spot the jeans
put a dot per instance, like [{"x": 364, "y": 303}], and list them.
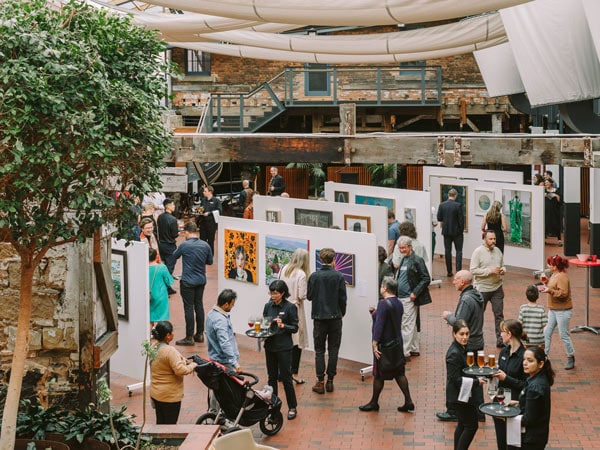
[
  {"x": 192, "y": 306},
  {"x": 166, "y": 251},
  {"x": 329, "y": 331},
  {"x": 279, "y": 367},
  {"x": 496, "y": 298},
  {"x": 167, "y": 413},
  {"x": 560, "y": 318},
  {"x": 467, "y": 425},
  {"x": 458, "y": 246}
]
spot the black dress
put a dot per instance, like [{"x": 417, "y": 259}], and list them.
[
  {"x": 553, "y": 213},
  {"x": 496, "y": 227}
]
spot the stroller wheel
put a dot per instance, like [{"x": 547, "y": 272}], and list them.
[
  {"x": 207, "y": 419},
  {"x": 271, "y": 424}
]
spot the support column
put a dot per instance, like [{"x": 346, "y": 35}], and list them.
[
  {"x": 595, "y": 223},
  {"x": 571, "y": 191}
]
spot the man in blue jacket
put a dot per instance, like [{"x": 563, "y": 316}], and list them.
[{"x": 327, "y": 292}]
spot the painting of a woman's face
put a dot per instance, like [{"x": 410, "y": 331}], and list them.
[{"x": 240, "y": 260}]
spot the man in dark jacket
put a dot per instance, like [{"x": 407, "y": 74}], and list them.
[
  {"x": 327, "y": 292},
  {"x": 413, "y": 290},
  {"x": 470, "y": 309},
  {"x": 451, "y": 218},
  {"x": 277, "y": 183},
  {"x": 168, "y": 230}
]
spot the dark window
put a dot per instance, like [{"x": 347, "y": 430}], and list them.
[{"x": 197, "y": 63}]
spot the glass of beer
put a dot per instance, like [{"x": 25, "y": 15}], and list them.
[
  {"x": 492, "y": 361},
  {"x": 480, "y": 360},
  {"x": 470, "y": 360},
  {"x": 257, "y": 326},
  {"x": 544, "y": 278}
]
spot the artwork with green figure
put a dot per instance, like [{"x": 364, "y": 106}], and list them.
[{"x": 516, "y": 220}]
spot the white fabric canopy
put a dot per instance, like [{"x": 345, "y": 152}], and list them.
[
  {"x": 339, "y": 12},
  {"x": 324, "y": 58},
  {"x": 465, "y": 32},
  {"x": 499, "y": 70},
  {"x": 592, "y": 12},
  {"x": 553, "y": 50}
]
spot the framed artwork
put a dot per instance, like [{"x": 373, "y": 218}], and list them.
[
  {"x": 341, "y": 196},
  {"x": 241, "y": 256},
  {"x": 516, "y": 207},
  {"x": 375, "y": 201},
  {"x": 273, "y": 216},
  {"x": 313, "y": 218},
  {"x": 343, "y": 263},
  {"x": 410, "y": 215},
  {"x": 483, "y": 201},
  {"x": 357, "y": 223},
  {"x": 460, "y": 198},
  {"x": 118, "y": 272},
  {"x": 278, "y": 252}
]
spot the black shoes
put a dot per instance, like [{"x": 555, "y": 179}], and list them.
[
  {"x": 369, "y": 407},
  {"x": 449, "y": 274},
  {"x": 171, "y": 291},
  {"x": 446, "y": 417},
  {"x": 407, "y": 407},
  {"x": 329, "y": 385},
  {"x": 292, "y": 413},
  {"x": 199, "y": 337},
  {"x": 189, "y": 340}
]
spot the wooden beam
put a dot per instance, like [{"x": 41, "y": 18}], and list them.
[
  {"x": 104, "y": 348},
  {"x": 389, "y": 148}
]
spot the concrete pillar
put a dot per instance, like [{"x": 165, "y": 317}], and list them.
[
  {"x": 595, "y": 223},
  {"x": 571, "y": 198},
  {"x": 497, "y": 123}
]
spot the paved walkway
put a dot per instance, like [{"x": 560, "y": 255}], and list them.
[{"x": 332, "y": 421}]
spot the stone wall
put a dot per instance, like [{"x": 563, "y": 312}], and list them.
[{"x": 54, "y": 343}]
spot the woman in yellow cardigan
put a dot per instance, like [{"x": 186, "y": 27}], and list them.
[{"x": 167, "y": 371}]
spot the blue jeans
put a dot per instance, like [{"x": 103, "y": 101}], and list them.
[
  {"x": 192, "y": 306},
  {"x": 560, "y": 318},
  {"x": 327, "y": 331}
]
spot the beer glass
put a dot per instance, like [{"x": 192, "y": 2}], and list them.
[
  {"x": 492, "y": 361},
  {"x": 480, "y": 360},
  {"x": 470, "y": 360}
]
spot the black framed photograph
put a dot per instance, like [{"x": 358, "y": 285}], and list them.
[
  {"x": 118, "y": 271},
  {"x": 341, "y": 196},
  {"x": 313, "y": 218}
]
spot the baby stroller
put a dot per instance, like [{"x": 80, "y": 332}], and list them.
[{"x": 239, "y": 403}]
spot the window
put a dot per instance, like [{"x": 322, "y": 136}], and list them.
[{"x": 197, "y": 63}]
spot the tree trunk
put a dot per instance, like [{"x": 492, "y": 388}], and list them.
[{"x": 11, "y": 407}]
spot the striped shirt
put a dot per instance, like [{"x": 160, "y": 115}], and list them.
[{"x": 534, "y": 319}]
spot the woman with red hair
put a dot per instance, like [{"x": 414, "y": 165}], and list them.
[{"x": 560, "y": 306}]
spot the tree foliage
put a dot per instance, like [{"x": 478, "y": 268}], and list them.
[{"x": 80, "y": 119}]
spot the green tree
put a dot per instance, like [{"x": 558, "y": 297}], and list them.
[{"x": 80, "y": 119}]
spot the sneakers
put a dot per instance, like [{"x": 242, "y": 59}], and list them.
[
  {"x": 570, "y": 362},
  {"x": 319, "y": 387},
  {"x": 329, "y": 385},
  {"x": 189, "y": 340},
  {"x": 292, "y": 413},
  {"x": 199, "y": 337}
]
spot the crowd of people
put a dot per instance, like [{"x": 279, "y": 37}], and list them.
[{"x": 524, "y": 369}]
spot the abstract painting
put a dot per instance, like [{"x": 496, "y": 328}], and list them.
[
  {"x": 343, "y": 263},
  {"x": 375, "y": 201}
]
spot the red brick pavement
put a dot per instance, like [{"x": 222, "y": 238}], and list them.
[{"x": 332, "y": 421}]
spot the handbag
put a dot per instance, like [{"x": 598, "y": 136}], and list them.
[{"x": 392, "y": 352}]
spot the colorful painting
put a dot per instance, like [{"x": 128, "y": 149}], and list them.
[
  {"x": 241, "y": 256},
  {"x": 278, "y": 252},
  {"x": 313, "y": 218},
  {"x": 341, "y": 196},
  {"x": 460, "y": 198},
  {"x": 375, "y": 201},
  {"x": 343, "y": 263},
  {"x": 483, "y": 201},
  {"x": 273, "y": 216},
  {"x": 357, "y": 223},
  {"x": 118, "y": 272},
  {"x": 516, "y": 207}
]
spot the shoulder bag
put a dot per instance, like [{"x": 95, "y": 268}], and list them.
[{"x": 392, "y": 352}]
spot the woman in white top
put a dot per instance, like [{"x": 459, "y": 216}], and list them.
[{"x": 295, "y": 274}]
